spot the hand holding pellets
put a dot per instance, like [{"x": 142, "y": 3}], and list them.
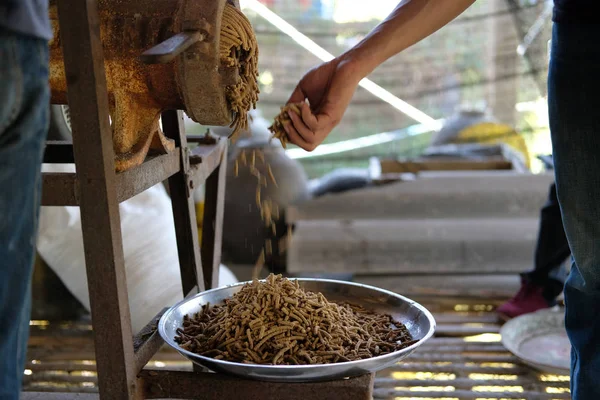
[{"x": 277, "y": 128}]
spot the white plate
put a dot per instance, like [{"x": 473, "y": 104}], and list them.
[{"x": 539, "y": 340}]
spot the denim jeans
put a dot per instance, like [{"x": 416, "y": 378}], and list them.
[
  {"x": 574, "y": 107},
  {"x": 24, "y": 107}
]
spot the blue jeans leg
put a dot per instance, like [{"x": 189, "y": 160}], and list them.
[
  {"x": 574, "y": 106},
  {"x": 24, "y": 100}
]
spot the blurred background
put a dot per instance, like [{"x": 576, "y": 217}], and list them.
[
  {"x": 456, "y": 122},
  {"x": 492, "y": 59}
]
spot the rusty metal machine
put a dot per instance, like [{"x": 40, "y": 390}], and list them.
[{"x": 166, "y": 54}]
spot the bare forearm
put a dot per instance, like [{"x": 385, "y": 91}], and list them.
[{"x": 410, "y": 22}]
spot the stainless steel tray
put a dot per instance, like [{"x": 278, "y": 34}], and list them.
[{"x": 417, "y": 319}]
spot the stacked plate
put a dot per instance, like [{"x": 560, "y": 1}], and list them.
[{"x": 539, "y": 340}]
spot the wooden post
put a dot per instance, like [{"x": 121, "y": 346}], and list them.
[
  {"x": 184, "y": 210},
  {"x": 100, "y": 219}
]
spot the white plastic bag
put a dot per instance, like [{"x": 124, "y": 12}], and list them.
[{"x": 149, "y": 245}]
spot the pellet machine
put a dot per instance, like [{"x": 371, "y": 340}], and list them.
[{"x": 195, "y": 55}]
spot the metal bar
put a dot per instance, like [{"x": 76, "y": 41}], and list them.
[
  {"x": 208, "y": 386},
  {"x": 153, "y": 171},
  {"x": 212, "y": 226},
  {"x": 184, "y": 210},
  {"x": 94, "y": 157},
  {"x": 204, "y": 159},
  {"x": 195, "y": 138},
  {"x": 58, "y": 152},
  {"x": 167, "y": 50},
  {"x": 147, "y": 342},
  {"x": 59, "y": 189}
]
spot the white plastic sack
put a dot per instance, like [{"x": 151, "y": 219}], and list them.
[{"x": 149, "y": 245}]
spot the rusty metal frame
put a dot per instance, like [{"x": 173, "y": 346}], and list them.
[
  {"x": 212, "y": 224},
  {"x": 61, "y": 187},
  {"x": 97, "y": 189},
  {"x": 184, "y": 210}
]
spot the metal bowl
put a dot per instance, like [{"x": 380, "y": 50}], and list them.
[{"x": 417, "y": 319}]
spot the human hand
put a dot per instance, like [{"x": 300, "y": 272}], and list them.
[{"x": 329, "y": 88}]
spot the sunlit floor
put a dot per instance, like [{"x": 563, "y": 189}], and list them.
[{"x": 465, "y": 360}]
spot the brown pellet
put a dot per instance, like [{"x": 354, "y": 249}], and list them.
[{"x": 254, "y": 326}]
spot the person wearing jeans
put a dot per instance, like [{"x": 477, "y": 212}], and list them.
[
  {"x": 24, "y": 107},
  {"x": 541, "y": 286},
  {"x": 573, "y": 100},
  {"x": 573, "y": 103}
]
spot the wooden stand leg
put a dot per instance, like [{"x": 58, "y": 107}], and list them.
[
  {"x": 100, "y": 220},
  {"x": 190, "y": 264},
  {"x": 212, "y": 226}
]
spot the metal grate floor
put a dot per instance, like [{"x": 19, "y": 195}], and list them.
[{"x": 465, "y": 360}]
